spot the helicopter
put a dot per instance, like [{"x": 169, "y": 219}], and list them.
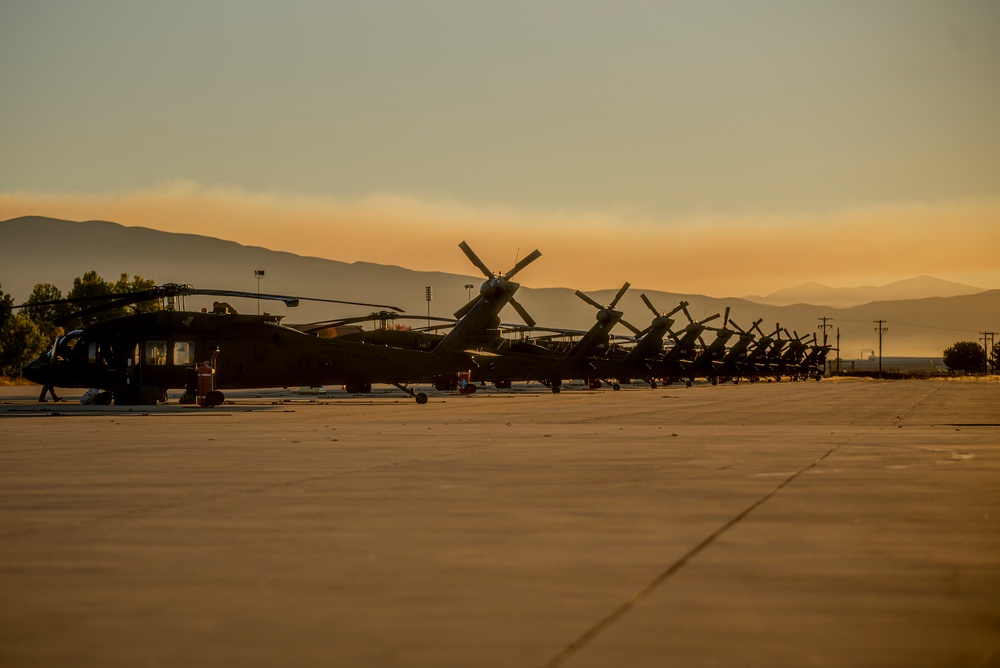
[
  {"x": 539, "y": 359},
  {"x": 506, "y": 360},
  {"x": 673, "y": 363},
  {"x": 137, "y": 358},
  {"x": 637, "y": 361}
]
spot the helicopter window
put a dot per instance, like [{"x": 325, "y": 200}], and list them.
[
  {"x": 156, "y": 353},
  {"x": 92, "y": 352},
  {"x": 67, "y": 344},
  {"x": 183, "y": 352}
]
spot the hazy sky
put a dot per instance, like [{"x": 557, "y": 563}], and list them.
[{"x": 725, "y": 147}]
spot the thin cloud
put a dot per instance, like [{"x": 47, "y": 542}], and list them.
[{"x": 724, "y": 255}]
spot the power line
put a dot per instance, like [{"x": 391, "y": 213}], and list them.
[{"x": 910, "y": 324}]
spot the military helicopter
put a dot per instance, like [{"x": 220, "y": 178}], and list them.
[
  {"x": 731, "y": 366},
  {"x": 672, "y": 364},
  {"x": 636, "y": 362},
  {"x": 541, "y": 360},
  {"x": 137, "y": 358}
]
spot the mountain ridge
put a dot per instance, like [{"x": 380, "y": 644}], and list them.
[
  {"x": 917, "y": 287},
  {"x": 47, "y": 250}
]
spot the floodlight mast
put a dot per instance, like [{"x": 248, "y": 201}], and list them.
[{"x": 259, "y": 274}]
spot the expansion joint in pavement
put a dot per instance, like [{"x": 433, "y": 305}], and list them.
[{"x": 567, "y": 652}]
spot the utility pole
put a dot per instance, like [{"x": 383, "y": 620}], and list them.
[
  {"x": 881, "y": 330},
  {"x": 838, "y": 351},
  {"x": 988, "y": 343},
  {"x": 428, "y": 293},
  {"x": 824, "y": 327}
]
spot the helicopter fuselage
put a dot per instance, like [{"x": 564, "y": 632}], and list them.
[{"x": 161, "y": 349}]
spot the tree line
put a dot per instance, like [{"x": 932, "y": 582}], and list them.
[
  {"x": 970, "y": 357},
  {"x": 28, "y": 332}
]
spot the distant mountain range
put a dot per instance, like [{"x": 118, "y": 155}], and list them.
[
  {"x": 823, "y": 295},
  {"x": 46, "y": 250}
]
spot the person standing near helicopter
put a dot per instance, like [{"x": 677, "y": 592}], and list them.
[{"x": 48, "y": 389}]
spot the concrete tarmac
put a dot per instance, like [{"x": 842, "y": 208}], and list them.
[{"x": 840, "y": 523}]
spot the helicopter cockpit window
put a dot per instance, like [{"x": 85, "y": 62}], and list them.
[
  {"x": 183, "y": 352},
  {"x": 92, "y": 352},
  {"x": 156, "y": 353},
  {"x": 67, "y": 344}
]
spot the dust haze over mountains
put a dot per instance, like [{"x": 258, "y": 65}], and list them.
[
  {"x": 824, "y": 295},
  {"x": 924, "y": 314}
]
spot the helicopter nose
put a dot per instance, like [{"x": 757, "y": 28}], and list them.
[{"x": 38, "y": 371}]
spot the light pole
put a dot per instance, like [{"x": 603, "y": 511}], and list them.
[
  {"x": 468, "y": 288},
  {"x": 259, "y": 273},
  {"x": 428, "y": 293}
]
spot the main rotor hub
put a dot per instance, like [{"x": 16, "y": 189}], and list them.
[
  {"x": 606, "y": 315},
  {"x": 494, "y": 288}
]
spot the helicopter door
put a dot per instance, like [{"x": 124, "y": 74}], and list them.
[{"x": 132, "y": 367}]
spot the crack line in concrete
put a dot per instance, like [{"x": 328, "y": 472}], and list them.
[
  {"x": 646, "y": 591},
  {"x": 567, "y": 652}
]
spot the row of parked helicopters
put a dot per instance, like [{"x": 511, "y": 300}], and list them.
[{"x": 136, "y": 358}]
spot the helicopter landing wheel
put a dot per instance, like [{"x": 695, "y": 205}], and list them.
[
  {"x": 616, "y": 386},
  {"x": 214, "y": 398},
  {"x": 420, "y": 397}
]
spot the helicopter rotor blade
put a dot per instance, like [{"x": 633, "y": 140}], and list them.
[
  {"x": 620, "y": 294},
  {"x": 288, "y": 300},
  {"x": 725, "y": 319},
  {"x": 708, "y": 319},
  {"x": 460, "y": 313},
  {"x": 528, "y": 320},
  {"x": 176, "y": 290},
  {"x": 677, "y": 308},
  {"x": 649, "y": 304},
  {"x": 434, "y": 328},
  {"x": 531, "y": 257},
  {"x": 99, "y": 308},
  {"x": 635, "y": 330},
  {"x": 474, "y": 259},
  {"x": 72, "y": 300},
  {"x": 584, "y": 297}
]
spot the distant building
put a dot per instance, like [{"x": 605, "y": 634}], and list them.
[{"x": 930, "y": 366}]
